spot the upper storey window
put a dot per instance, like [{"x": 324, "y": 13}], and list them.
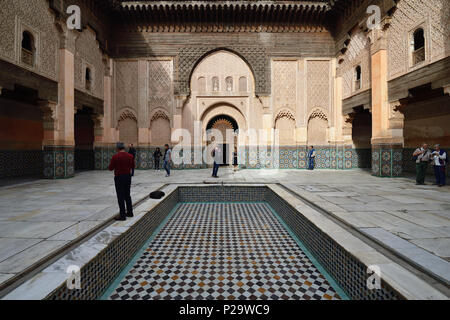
[
  {"x": 88, "y": 79},
  {"x": 418, "y": 46},
  {"x": 28, "y": 49},
  {"x": 358, "y": 78},
  {"x": 215, "y": 84},
  {"x": 229, "y": 83}
]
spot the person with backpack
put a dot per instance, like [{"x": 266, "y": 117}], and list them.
[
  {"x": 311, "y": 158},
  {"x": 440, "y": 160},
  {"x": 421, "y": 156},
  {"x": 156, "y": 156}
]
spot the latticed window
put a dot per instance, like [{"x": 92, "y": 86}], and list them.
[
  {"x": 88, "y": 77},
  {"x": 358, "y": 78},
  {"x": 28, "y": 49},
  {"x": 418, "y": 54}
]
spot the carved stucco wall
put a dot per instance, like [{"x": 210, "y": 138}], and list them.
[
  {"x": 160, "y": 93},
  {"x": 285, "y": 85},
  {"x": 434, "y": 16},
  {"x": 34, "y": 16},
  {"x": 88, "y": 54},
  {"x": 255, "y": 56},
  {"x": 358, "y": 53},
  {"x": 318, "y": 85},
  {"x": 125, "y": 86}
]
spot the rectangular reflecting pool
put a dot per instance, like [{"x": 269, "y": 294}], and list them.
[
  {"x": 214, "y": 242},
  {"x": 206, "y": 251}
]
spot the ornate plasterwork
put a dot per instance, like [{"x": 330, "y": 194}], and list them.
[
  {"x": 285, "y": 84},
  {"x": 126, "y": 84},
  {"x": 89, "y": 54},
  {"x": 284, "y": 114},
  {"x": 255, "y": 56},
  {"x": 49, "y": 113},
  {"x": 127, "y": 114},
  {"x": 357, "y": 54},
  {"x": 35, "y": 17},
  {"x": 409, "y": 15},
  {"x": 159, "y": 114},
  {"x": 318, "y": 113},
  {"x": 160, "y": 93},
  {"x": 318, "y": 84}
]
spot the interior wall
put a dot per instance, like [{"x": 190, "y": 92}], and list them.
[{"x": 21, "y": 136}]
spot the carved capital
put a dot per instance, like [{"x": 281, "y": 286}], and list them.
[
  {"x": 67, "y": 37},
  {"x": 98, "y": 120},
  {"x": 396, "y": 115},
  {"x": 446, "y": 89},
  {"x": 49, "y": 110}
]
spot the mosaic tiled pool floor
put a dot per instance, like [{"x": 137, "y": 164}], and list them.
[{"x": 218, "y": 251}]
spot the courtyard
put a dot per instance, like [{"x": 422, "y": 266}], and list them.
[{"x": 41, "y": 219}]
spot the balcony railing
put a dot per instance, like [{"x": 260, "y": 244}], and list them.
[
  {"x": 419, "y": 56},
  {"x": 357, "y": 84},
  {"x": 27, "y": 57}
]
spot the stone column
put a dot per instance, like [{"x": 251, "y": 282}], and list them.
[
  {"x": 387, "y": 125},
  {"x": 105, "y": 133},
  {"x": 59, "y": 141}
]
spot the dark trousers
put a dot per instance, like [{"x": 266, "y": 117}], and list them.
[
  {"x": 156, "y": 163},
  {"x": 421, "y": 171},
  {"x": 123, "y": 186},
  {"x": 311, "y": 163},
  {"x": 167, "y": 167},
  {"x": 439, "y": 173},
  {"x": 215, "y": 169}
]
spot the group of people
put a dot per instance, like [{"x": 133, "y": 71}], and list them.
[{"x": 422, "y": 156}]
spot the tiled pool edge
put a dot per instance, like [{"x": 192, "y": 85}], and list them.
[
  {"x": 405, "y": 284},
  {"x": 100, "y": 263},
  {"x": 313, "y": 259},
  {"x": 97, "y": 257},
  {"x": 136, "y": 256}
]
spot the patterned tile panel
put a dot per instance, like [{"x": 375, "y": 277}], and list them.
[
  {"x": 223, "y": 251},
  {"x": 20, "y": 163}
]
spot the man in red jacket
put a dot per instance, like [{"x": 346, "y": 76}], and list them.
[{"x": 122, "y": 163}]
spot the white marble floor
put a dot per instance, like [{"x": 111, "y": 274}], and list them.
[{"x": 38, "y": 217}]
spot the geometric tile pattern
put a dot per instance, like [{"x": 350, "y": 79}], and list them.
[
  {"x": 20, "y": 163},
  {"x": 216, "y": 251},
  {"x": 387, "y": 160},
  {"x": 59, "y": 162}
]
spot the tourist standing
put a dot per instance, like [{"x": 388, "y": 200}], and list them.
[
  {"x": 122, "y": 163},
  {"x": 235, "y": 159},
  {"x": 132, "y": 151},
  {"x": 422, "y": 156},
  {"x": 167, "y": 159},
  {"x": 217, "y": 156},
  {"x": 156, "y": 157},
  {"x": 311, "y": 158},
  {"x": 439, "y": 162}
]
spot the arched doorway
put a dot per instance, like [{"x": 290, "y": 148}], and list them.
[
  {"x": 227, "y": 141},
  {"x": 84, "y": 140}
]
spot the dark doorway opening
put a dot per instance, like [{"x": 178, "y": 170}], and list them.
[
  {"x": 84, "y": 140},
  {"x": 362, "y": 136}
]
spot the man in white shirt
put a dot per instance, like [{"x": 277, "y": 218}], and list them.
[
  {"x": 422, "y": 156},
  {"x": 439, "y": 162}
]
